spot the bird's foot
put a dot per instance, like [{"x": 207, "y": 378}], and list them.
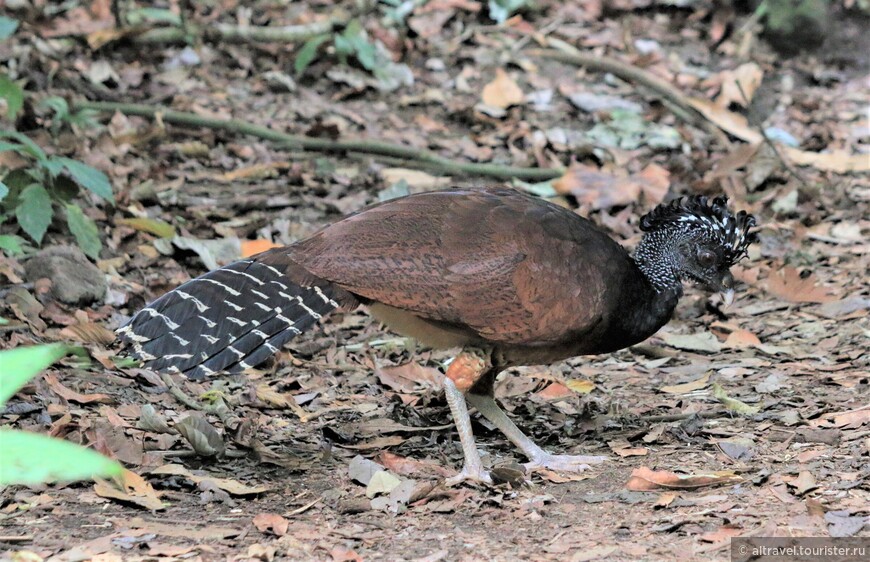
[
  {"x": 562, "y": 463},
  {"x": 474, "y": 475}
]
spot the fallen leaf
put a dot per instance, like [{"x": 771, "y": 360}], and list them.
[
  {"x": 417, "y": 179},
  {"x": 502, "y": 92},
  {"x": 228, "y": 485},
  {"x": 410, "y": 378},
  {"x": 739, "y": 85},
  {"x": 272, "y": 522},
  {"x": 580, "y": 386},
  {"x": 665, "y": 499},
  {"x": 129, "y": 487},
  {"x": 555, "y": 391},
  {"x": 624, "y": 449},
  {"x": 804, "y": 482},
  {"x": 739, "y": 339},
  {"x": 731, "y": 403},
  {"x": 381, "y": 482},
  {"x": 688, "y": 387},
  {"x": 156, "y": 227},
  {"x": 73, "y": 396},
  {"x": 88, "y": 333},
  {"x": 789, "y": 285},
  {"x": 644, "y": 480},
  {"x": 201, "y": 435},
  {"x": 837, "y": 161},
  {"x": 701, "y": 341}
]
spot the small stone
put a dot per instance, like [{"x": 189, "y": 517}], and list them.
[{"x": 74, "y": 279}]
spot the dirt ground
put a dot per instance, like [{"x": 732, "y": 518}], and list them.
[{"x": 752, "y": 420}]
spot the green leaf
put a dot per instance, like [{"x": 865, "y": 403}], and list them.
[
  {"x": 29, "y": 146},
  {"x": 85, "y": 230},
  {"x": 155, "y": 226},
  {"x": 4, "y": 191},
  {"x": 11, "y": 244},
  {"x": 34, "y": 211},
  {"x": 308, "y": 52},
  {"x": 53, "y": 165},
  {"x": 13, "y": 94},
  {"x": 4, "y": 146},
  {"x": 20, "y": 364},
  {"x": 89, "y": 177},
  {"x": 7, "y": 27},
  {"x": 31, "y": 458}
]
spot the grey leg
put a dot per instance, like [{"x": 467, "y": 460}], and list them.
[
  {"x": 472, "y": 469},
  {"x": 538, "y": 457}
]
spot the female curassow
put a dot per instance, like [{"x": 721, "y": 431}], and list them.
[{"x": 507, "y": 278}]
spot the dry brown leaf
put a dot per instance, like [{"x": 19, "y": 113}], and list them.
[
  {"x": 805, "y": 482},
  {"x": 414, "y": 178},
  {"x": 502, "y": 92},
  {"x": 272, "y": 522},
  {"x": 742, "y": 338},
  {"x": 624, "y": 449},
  {"x": 687, "y": 387},
  {"x": 410, "y": 378},
  {"x": 88, "y": 333},
  {"x": 129, "y": 487},
  {"x": 228, "y": 485},
  {"x": 788, "y": 285},
  {"x": 837, "y": 161},
  {"x": 746, "y": 77},
  {"x": 580, "y": 386},
  {"x": 665, "y": 499},
  {"x": 644, "y": 480},
  {"x": 404, "y": 466},
  {"x": 555, "y": 391},
  {"x": 73, "y": 396},
  {"x": 850, "y": 419}
]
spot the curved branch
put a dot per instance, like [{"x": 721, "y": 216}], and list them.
[{"x": 427, "y": 158}]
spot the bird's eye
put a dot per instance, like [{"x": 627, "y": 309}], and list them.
[{"x": 706, "y": 258}]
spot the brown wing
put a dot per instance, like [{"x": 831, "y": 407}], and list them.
[{"x": 512, "y": 268}]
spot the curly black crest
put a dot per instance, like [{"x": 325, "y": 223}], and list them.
[{"x": 698, "y": 212}]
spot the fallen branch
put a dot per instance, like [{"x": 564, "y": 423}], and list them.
[
  {"x": 299, "y": 142},
  {"x": 221, "y": 32}
]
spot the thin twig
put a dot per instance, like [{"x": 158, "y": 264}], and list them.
[
  {"x": 229, "y": 33},
  {"x": 564, "y": 52},
  {"x": 289, "y": 141},
  {"x": 767, "y": 140}
]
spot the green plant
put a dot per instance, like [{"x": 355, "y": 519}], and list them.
[
  {"x": 31, "y": 458},
  {"x": 354, "y": 44},
  {"x": 62, "y": 116},
  {"x": 30, "y": 193}
]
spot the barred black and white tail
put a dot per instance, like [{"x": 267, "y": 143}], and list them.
[{"x": 231, "y": 318}]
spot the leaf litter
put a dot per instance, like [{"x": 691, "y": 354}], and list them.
[{"x": 793, "y": 346}]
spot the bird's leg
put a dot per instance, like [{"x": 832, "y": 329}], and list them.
[
  {"x": 465, "y": 370},
  {"x": 538, "y": 458}
]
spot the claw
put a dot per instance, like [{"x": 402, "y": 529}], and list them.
[{"x": 475, "y": 476}]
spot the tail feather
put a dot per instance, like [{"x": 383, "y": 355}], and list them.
[{"x": 231, "y": 318}]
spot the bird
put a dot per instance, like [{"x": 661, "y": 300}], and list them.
[{"x": 503, "y": 277}]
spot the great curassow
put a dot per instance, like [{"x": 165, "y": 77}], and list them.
[{"x": 507, "y": 278}]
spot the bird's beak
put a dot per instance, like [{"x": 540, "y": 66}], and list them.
[{"x": 726, "y": 289}]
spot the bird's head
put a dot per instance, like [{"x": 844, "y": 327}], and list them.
[{"x": 694, "y": 239}]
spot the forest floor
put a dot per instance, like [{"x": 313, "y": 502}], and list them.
[{"x": 755, "y": 418}]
